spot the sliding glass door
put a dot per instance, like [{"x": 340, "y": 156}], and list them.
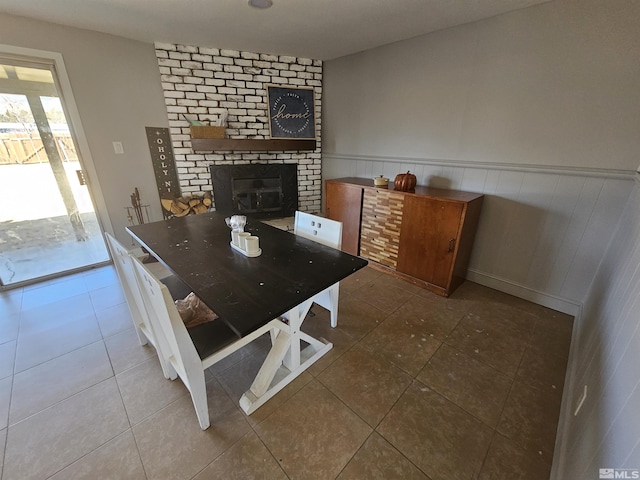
[{"x": 47, "y": 221}]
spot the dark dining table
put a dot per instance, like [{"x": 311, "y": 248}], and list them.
[{"x": 249, "y": 292}]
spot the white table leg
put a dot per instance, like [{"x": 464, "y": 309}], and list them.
[{"x": 285, "y": 360}]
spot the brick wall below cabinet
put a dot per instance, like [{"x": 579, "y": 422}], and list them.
[{"x": 201, "y": 83}]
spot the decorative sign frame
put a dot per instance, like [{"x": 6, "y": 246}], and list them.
[
  {"x": 163, "y": 164},
  {"x": 291, "y": 112}
]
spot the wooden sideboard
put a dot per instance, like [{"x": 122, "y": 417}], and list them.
[{"x": 424, "y": 236}]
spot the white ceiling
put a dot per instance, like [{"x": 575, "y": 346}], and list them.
[{"x": 320, "y": 29}]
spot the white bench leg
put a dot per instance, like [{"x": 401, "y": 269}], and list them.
[{"x": 198, "y": 390}]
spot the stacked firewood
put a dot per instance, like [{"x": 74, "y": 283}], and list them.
[{"x": 186, "y": 205}]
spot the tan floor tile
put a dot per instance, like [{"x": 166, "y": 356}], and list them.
[
  {"x": 50, "y": 382},
  {"x": 435, "y": 320},
  {"x": 54, "y": 438},
  {"x": 356, "y": 318},
  {"x": 382, "y": 296},
  {"x": 543, "y": 371},
  {"x": 9, "y": 326},
  {"x": 279, "y": 399},
  {"x": 507, "y": 460},
  {"x": 260, "y": 344},
  {"x": 100, "y": 277},
  {"x": 237, "y": 379},
  {"x": 361, "y": 277},
  {"x": 470, "y": 291},
  {"x": 7, "y": 358},
  {"x": 64, "y": 309},
  {"x": 248, "y": 459},
  {"x": 367, "y": 384},
  {"x": 472, "y": 385},
  {"x": 10, "y": 302},
  {"x": 320, "y": 327},
  {"x": 396, "y": 282},
  {"x": 507, "y": 317},
  {"x": 530, "y": 418},
  {"x": 3, "y": 441},
  {"x": 475, "y": 292},
  {"x": 117, "y": 459},
  {"x": 488, "y": 341},
  {"x": 125, "y": 350},
  {"x": 42, "y": 339},
  {"x": 377, "y": 459},
  {"x": 55, "y": 290},
  {"x": 114, "y": 319},
  {"x": 107, "y": 297},
  {"x": 5, "y": 401},
  {"x": 552, "y": 334},
  {"x": 145, "y": 390},
  {"x": 440, "y": 438},
  {"x": 405, "y": 344},
  {"x": 550, "y": 319},
  {"x": 171, "y": 443},
  {"x": 313, "y": 435}
]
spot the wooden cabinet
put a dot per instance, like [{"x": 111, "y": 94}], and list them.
[
  {"x": 429, "y": 239},
  {"x": 424, "y": 236},
  {"x": 344, "y": 203},
  {"x": 380, "y": 227}
]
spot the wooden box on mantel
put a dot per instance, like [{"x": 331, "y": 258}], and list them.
[{"x": 207, "y": 132}]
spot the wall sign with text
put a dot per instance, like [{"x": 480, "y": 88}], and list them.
[
  {"x": 163, "y": 162},
  {"x": 291, "y": 112}
]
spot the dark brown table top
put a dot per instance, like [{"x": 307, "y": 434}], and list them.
[{"x": 245, "y": 292}]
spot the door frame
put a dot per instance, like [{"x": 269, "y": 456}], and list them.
[{"x": 75, "y": 124}]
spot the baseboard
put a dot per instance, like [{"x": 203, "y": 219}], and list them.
[
  {"x": 563, "y": 305},
  {"x": 567, "y": 406}
]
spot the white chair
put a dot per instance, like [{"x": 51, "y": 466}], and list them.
[
  {"x": 188, "y": 353},
  {"x": 327, "y": 232},
  {"x": 122, "y": 260}
]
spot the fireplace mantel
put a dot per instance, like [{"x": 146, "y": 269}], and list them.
[{"x": 256, "y": 144}]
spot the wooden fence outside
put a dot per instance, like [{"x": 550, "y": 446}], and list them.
[{"x": 20, "y": 149}]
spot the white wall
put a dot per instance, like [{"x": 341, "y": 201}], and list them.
[
  {"x": 116, "y": 86},
  {"x": 554, "y": 84},
  {"x": 537, "y": 108},
  {"x": 605, "y": 357}
]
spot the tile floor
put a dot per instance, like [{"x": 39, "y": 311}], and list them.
[{"x": 416, "y": 387}]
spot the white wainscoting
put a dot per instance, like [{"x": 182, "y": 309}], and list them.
[
  {"x": 543, "y": 230},
  {"x": 605, "y": 354}
]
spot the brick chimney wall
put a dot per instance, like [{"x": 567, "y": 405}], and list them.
[{"x": 202, "y": 82}]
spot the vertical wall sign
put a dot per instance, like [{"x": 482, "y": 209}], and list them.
[{"x": 164, "y": 165}]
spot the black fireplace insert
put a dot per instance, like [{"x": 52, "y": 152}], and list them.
[{"x": 261, "y": 190}]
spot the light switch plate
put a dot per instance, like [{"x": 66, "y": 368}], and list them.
[{"x": 117, "y": 148}]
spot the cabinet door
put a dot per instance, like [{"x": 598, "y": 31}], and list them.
[
  {"x": 381, "y": 221},
  {"x": 344, "y": 203},
  {"x": 428, "y": 240}
]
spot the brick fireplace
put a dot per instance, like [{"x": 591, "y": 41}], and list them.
[{"x": 201, "y": 83}]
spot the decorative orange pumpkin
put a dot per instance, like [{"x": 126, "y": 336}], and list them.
[{"x": 405, "y": 182}]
